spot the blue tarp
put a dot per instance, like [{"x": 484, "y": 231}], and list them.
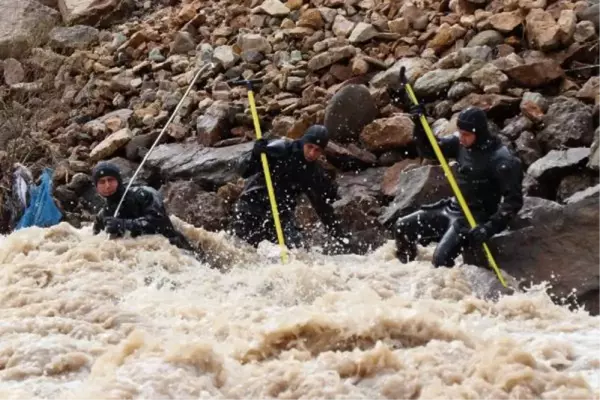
[{"x": 41, "y": 211}]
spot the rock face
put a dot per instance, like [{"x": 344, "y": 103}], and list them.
[
  {"x": 24, "y": 24},
  {"x": 209, "y": 167},
  {"x": 550, "y": 249},
  {"x": 348, "y": 112}
]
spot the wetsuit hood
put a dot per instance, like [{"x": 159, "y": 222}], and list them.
[
  {"x": 316, "y": 134},
  {"x": 105, "y": 168},
  {"x": 473, "y": 119}
]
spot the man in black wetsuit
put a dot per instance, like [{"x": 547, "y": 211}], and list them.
[
  {"x": 294, "y": 171},
  {"x": 142, "y": 211},
  {"x": 489, "y": 177}
]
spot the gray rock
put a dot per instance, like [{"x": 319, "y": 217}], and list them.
[
  {"x": 24, "y": 24},
  {"x": 207, "y": 166},
  {"x": 182, "y": 43},
  {"x": 415, "y": 68},
  {"x": 568, "y": 122},
  {"x": 594, "y": 153},
  {"x": 560, "y": 246},
  {"x": 486, "y": 38},
  {"x": 434, "y": 83},
  {"x": 544, "y": 175},
  {"x": 418, "y": 186},
  {"x": 528, "y": 149},
  {"x": 69, "y": 39},
  {"x": 348, "y": 112},
  {"x": 460, "y": 90}
]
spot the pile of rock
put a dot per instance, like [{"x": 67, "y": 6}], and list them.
[{"x": 104, "y": 85}]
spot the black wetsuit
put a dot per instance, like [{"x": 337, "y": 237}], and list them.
[
  {"x": 489, "y": 177},
  {"x": 291, "y": 175},
  {"x": 142, "y": 213}
]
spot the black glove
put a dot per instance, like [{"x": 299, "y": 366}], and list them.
[
  {"x": 260, "y": 146},
  {"x": 115, "y": 226},
  {"x": 479, "y": 235},
  {"x": 415, "y": 111},
  {"x": 397, "y": 96}
]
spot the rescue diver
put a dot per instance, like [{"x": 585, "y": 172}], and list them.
[
  {"x": 294, "y": 170},
  {"x": 142, "y": 212},
  {"x": 489, "y": 177}
]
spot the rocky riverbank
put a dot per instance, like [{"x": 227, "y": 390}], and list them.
[{"x": 84, "y": 82}]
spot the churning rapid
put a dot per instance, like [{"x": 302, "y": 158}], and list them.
[{"x": 88, "y": 317}]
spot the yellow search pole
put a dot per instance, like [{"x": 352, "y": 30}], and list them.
[
  {"x": 265, "y": 164},
  {"x": 450, "y": 176}
]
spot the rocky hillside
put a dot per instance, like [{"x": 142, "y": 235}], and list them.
[{"x": 85, "y": 81}]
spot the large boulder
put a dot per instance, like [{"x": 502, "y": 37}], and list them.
[
  {"x": 209, "y": 167},
  {"x": 544, "y": 175},
  {"x": 100, "y": 13},
  {"x": 348, "y": 112},
  {"x": 559, "y": 245},
  {"x": 358, "y": 208},
  {"x": 188, "y": 201},
  {"x": 69, "y": 39},
  {"x": 568, "y": 122},
  {"x": 24, "y": 24},
  {"x": 417, "y": 186}
]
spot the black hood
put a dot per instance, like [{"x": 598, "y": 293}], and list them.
[
  {"x": 473, "y": 119},
  {"x": 105, "y": 168},
  {"x": 316, "y": 134}
]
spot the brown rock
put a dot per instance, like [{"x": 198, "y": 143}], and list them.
[
  {"x": 487, "y": 102},
  {"x": 311, "y": 18},
  {"x": 535, "y": 74},
  {"x": 543, "y": 33},
  {"x": 443, "y": 39},
  {"x": 388, "y": 133},
  {"x": 506, "y": 21},
  {"x": 214, "y": 124},
  {"x": 359, "y": 66},
  {"x": 189, "y": 202},
  {"x": 332, "y": 56},
  {"x": 391, "y": 177},
  {"x": 349, "y": 157},
  {"x": 399, "y": 25},
  {"x": 111, "y": 144},
  {"x": 566, "y": 23},
  {"x": 590, "y": 91}
]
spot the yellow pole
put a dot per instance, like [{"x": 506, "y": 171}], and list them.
[
  {"x": 450, "y": 176},
  {"x": 265, "y": 164}
]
